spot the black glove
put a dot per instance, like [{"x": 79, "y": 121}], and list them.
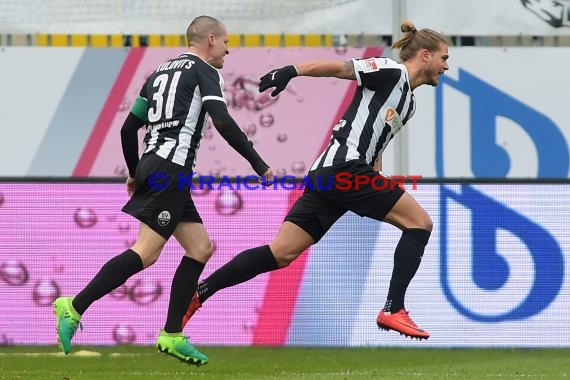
[{"x": 277, "y": 78}]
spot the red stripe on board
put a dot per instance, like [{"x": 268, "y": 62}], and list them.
[
  {"x": 280, "y": 297},
  {"x": 103, "y": 123},
  {"x": 282, "y": 290}
]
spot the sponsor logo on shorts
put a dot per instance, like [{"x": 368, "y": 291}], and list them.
[{"x": 163, "y": 218}]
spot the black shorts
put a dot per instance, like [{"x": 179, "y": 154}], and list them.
[
  {"x": 161, "y": 208},
  {"x": 319, "y": 208}
]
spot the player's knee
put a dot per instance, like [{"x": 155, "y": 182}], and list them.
[
  {"x": 284, "y": 255},
  {"x": 208, "y": 251},
  {"x": 202, "y": 252},
  {"x": 285, "y": 260},
  {"x": 425, "y": 222},
  {"x": 149, "y": 251},
  {"x": 149, "y": 258},
  {"x": 421, "y": 220}
]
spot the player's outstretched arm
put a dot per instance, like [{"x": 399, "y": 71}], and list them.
[
  {"x": 279, "y": 78},
  {"x": 231, "y": 132},
  {"x": 337, "y": 69}
]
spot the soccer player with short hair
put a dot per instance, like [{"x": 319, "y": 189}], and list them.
[
  {"x": 174, "y": 104},
  {"x": 382, "y": 104}
]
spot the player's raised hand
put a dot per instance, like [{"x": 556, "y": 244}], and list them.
[{"x": 277, "y": 78}]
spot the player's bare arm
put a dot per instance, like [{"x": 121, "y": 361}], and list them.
[
  {"x": 279, "y": 78},
  {"x": 337, "y": 69}
]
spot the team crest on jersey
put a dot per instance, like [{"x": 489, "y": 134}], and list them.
[
  {"x": 393, "y": 119},
  {"x": 369, "y": 65},
  {"x": 163, "y": 218}
]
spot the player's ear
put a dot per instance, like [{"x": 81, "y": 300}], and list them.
[
  {"x": 425, "y": 55},
  {"x": 211, "y": 40}
]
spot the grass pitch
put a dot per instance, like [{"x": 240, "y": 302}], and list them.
[{"x": 136, "y": 362}]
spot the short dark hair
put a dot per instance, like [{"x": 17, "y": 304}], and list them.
[{"x": 201, "y": 27}]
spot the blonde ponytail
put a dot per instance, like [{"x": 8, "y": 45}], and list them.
[{"x": 414, "y": 40}]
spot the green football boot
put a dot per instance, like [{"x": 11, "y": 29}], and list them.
[
  {"x": 67, "y": 322},
  {"x": 177, "y": 345}
]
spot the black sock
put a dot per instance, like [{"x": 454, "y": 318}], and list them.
[
  {"x": 407, "y": 259},
  {"x": 245, "y": 266},
  {"x": 113, "y": 274},
  {"x": 181, "y": 292}
]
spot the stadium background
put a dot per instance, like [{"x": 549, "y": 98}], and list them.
[{"x": 492, "y": 140}]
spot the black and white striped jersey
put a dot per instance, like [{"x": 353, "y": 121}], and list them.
[
  {"x": 176, "y": 115},
  {"x": 382, "y": 104}
]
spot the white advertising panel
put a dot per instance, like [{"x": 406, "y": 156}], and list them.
[
  {"x": 497, "y": 113},
  {"x": 495, "y": 272}
]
